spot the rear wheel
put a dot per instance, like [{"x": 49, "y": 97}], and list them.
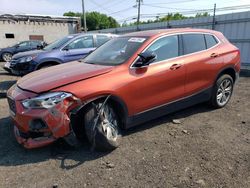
[
  {"x": 222, "y": 91},
  {"x": 102, "y": 127},
  {"x": 6, "y": 56}
]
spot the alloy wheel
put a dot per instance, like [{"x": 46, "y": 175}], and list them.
[
  {"x": 108, "y": 122},
  {"x": 7, "y": 57},
  {"x": 224, "y": 92}
]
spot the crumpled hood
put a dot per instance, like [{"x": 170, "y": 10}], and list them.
[
  {"x": 60, "y": 75},
  {"x": 28, "y": 53}
]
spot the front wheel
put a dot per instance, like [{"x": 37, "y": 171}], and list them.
[
  {"x": 222, "y": 91},
  {"x": 102, "y": 127}
]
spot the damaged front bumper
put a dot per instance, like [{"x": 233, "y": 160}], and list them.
[
  {"x": 35, "y": 128},
  {"x": 31, "y": 143}
]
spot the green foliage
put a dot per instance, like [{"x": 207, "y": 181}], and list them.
[
  {"x": 95, "y": 20},
  {"x": 204, "y": 14},
  {"x": 168, "y": 17}
]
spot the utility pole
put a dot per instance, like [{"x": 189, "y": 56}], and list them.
[
  {"x": 139, "y": 13},
  {"x": 84, "y": 17},
  {"x": 213, "y": 25}
]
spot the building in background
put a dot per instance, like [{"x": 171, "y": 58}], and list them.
[{"x": 16, "y": 28}]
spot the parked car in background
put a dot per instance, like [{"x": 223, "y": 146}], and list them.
[
  {"x": 66, "y": 49},
  {"x": 7, "y": 53},
  {"x": 129, "y": 80}
]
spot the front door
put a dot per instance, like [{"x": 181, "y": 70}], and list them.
[
  {"x": 162, "y": 81},
  {"x": 23, "y": 46},
  {"x": 78, "y": 48}
]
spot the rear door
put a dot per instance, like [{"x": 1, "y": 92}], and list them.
[
  {"x": 162, "y": 81},
  {"x": 201, "y": 61},
  {"x": 78, "y": 48}
]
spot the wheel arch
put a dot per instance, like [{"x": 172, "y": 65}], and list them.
[
  {"x": 76, "y": 115},
  {"x": 227, "y": 70},
  {"x": 48, "y": 62}
]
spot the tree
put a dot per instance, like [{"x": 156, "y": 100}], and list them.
[
  {"x": 95, "y": 20},
  {"x": 204, "y": 14},
  {"x": 171, "y": 16}
]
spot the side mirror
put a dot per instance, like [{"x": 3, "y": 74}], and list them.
[
  {"x": 145, "y": 58},
  {"x": 66, "y": 48},
  {"x": 17, "y": 46},
  {"x": 40, "y": 47}
]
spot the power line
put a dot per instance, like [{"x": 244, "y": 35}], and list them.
[
  {"x": 149, "y": 5},
  {"x": 173, "y": 2},
  {"x": 99, "y": 5},
  {"x": 123, "y": 10},
  {"x": 221, "y": 9}
]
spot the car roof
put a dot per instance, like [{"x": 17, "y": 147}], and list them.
[
  {"x": 88, "y": 34},
  {"x": 30, "y": 41},
  {"x": 151, "y": 33}
]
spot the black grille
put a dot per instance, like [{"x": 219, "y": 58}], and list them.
[
  {"x": 12, "y": 105},
  {"x": 13, "y": 63}
]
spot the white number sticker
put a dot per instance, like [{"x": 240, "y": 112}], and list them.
[{"x": 134, "y": 39}]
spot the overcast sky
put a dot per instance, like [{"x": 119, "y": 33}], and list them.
[{"x": 119, "y": 9}]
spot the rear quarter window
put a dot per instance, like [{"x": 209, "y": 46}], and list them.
[
  {"x": 193, "y": 43},
  {"x": 210, "y": 40}
]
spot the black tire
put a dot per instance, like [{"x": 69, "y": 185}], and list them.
[
  {"x": 97, "y": 136},
  {"x": 219, "y": 102},
  {"x": 6, "y": 56},
  {"x": 45, "y": 66}
]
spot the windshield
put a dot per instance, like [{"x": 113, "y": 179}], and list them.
[
  {"x": 116, "y": 51},
  {"x": 58, "y": 43}
]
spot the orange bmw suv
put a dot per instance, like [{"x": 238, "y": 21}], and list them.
[{"x": 127, "y": 81}]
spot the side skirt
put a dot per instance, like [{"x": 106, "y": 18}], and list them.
[{"x": 168, "y": 108}]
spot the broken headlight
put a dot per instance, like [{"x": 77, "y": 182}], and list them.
[{"x": 47, "y": 100}]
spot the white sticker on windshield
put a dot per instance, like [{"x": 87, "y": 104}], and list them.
[{"x": 135, "y": 39}]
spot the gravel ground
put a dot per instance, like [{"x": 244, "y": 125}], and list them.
[{"x": 203, "y": 148}]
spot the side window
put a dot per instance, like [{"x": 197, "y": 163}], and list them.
[
  {"x": 83, "y": 42},
  {"x": 101, "y": 39},
  {"x": 210, "y": 40},
  {"x": 35, "y": 43},
  {"x": 165, "y": 48},
  {"x": 193, "y": 43},
  {"x": 24, "y": 44}
]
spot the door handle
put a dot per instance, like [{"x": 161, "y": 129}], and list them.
[
  {"x": 214, "y": 55},
  {"x": 175, "y": 66}
]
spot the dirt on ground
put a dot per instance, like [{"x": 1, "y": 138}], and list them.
[{"x": 195, "y": 147}]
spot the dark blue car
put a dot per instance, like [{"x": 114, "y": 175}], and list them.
[
  {"x": 7, "y": 53},
  {"x": 69, "y": 48}
]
